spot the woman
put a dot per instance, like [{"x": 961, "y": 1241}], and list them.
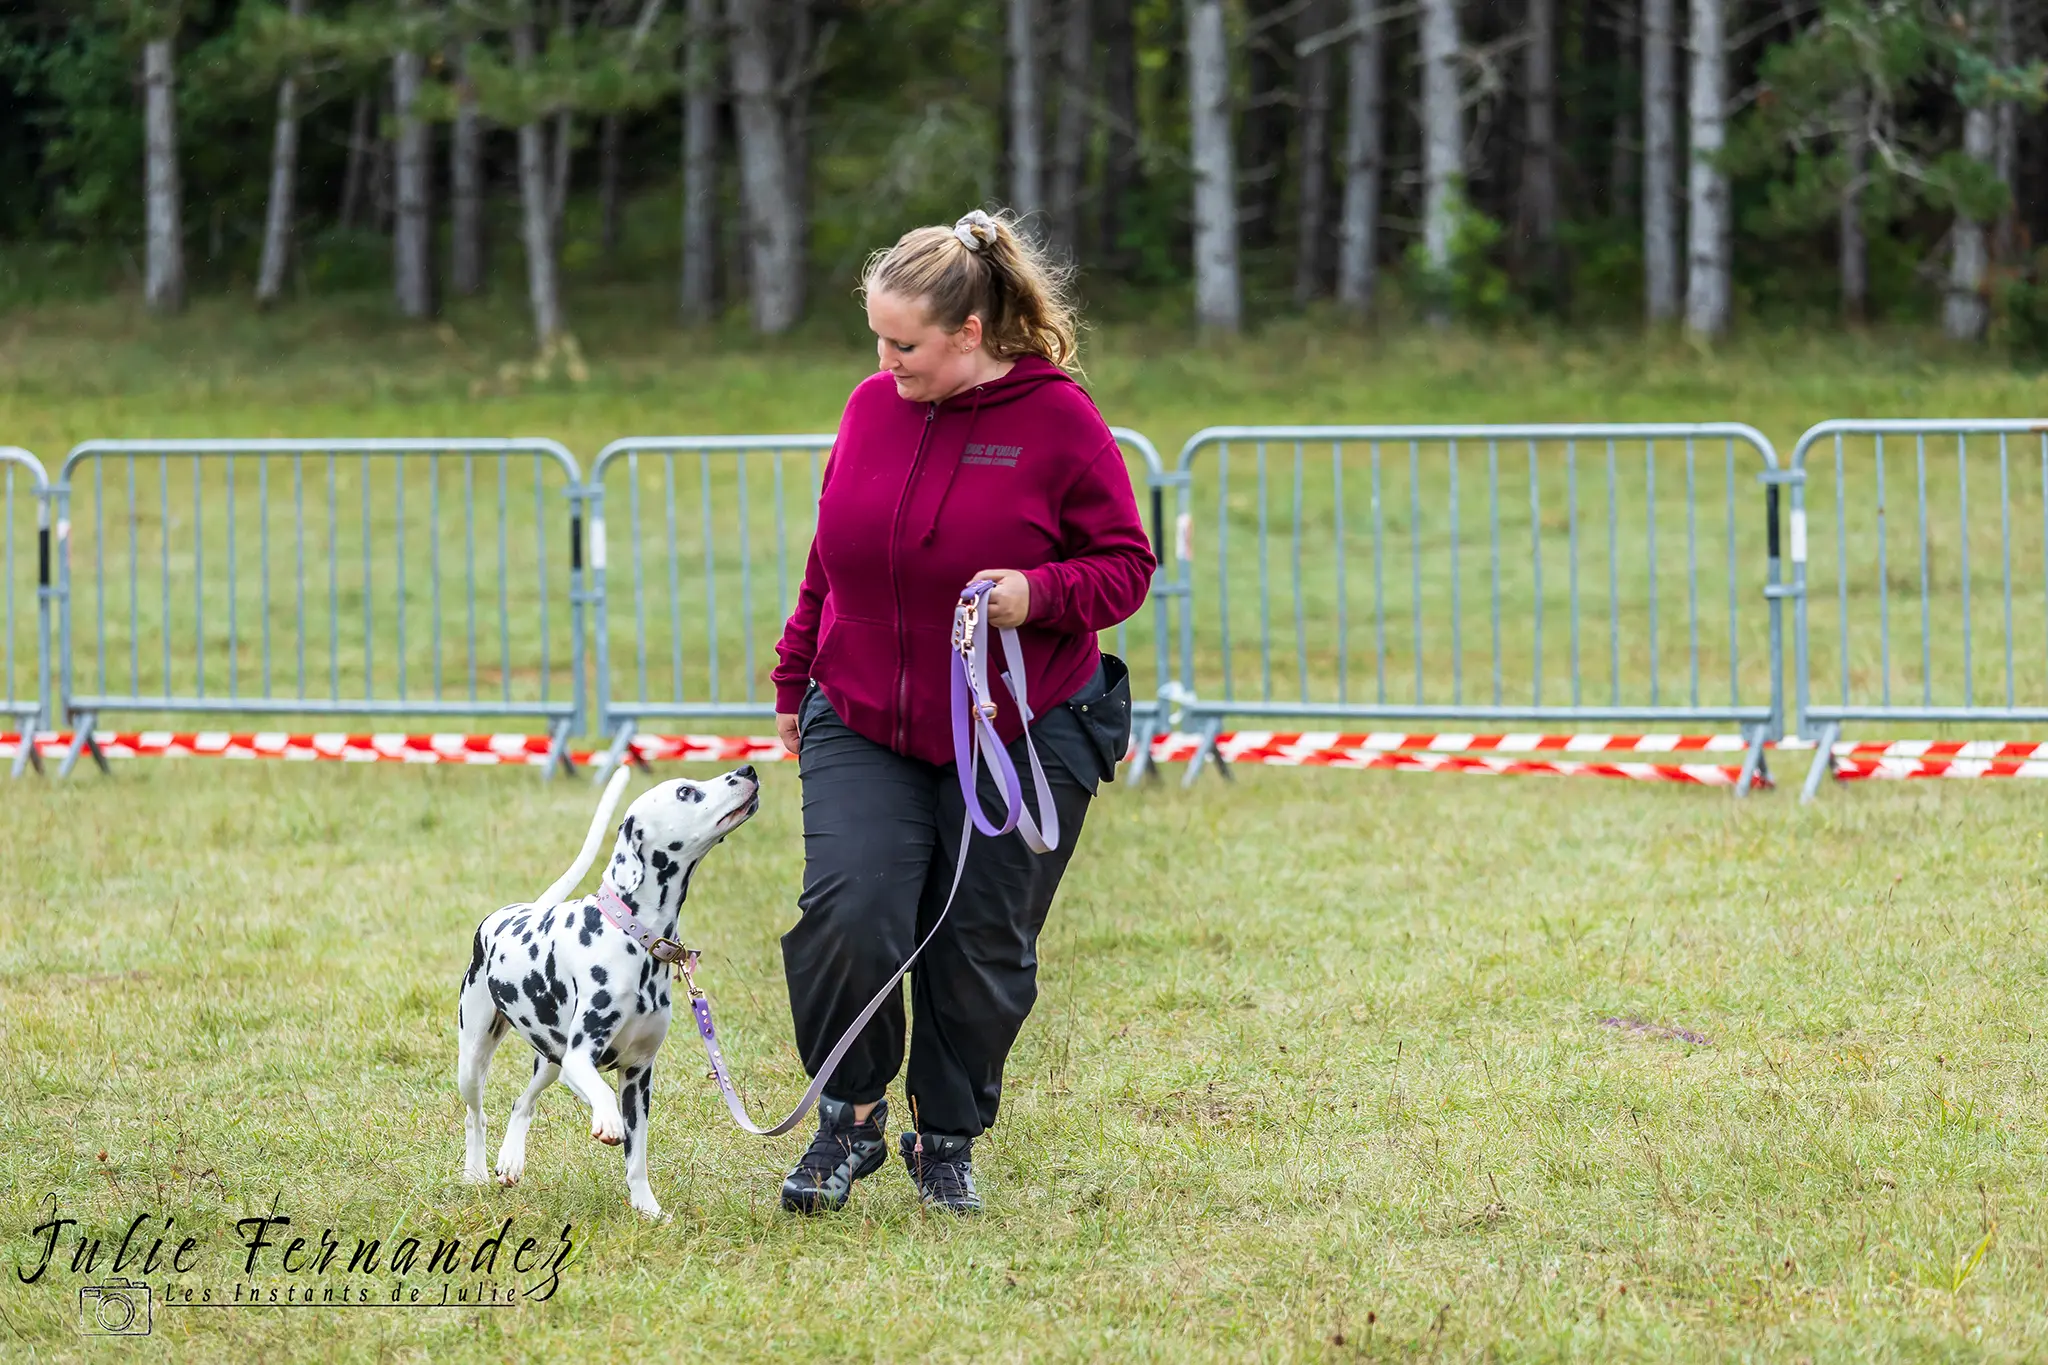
[{"x": 972, "y": 454}]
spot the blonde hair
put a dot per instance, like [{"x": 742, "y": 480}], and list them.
[{"x": 983, "y": 265}]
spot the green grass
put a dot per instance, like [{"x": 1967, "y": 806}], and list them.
[
  {"x": 1319, "y": 1057},
  {"x": 1318, "y": 1071}
]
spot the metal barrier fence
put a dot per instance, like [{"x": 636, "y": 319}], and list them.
[
  {"x": 1567, "y": 523},
  {"x": 175, "y": 596},
  {"x": 24, "y": 635},
  {"x": 1951, "y": 565},
  {"x": 705, "y": 539}
]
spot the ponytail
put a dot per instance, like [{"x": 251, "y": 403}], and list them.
[{"x": 983, "y": 266}]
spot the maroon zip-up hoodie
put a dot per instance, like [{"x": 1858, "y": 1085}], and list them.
[{"x": 1018, "y": 473}]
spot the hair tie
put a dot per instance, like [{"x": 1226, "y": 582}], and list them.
[{"x": 971, "y": 227}]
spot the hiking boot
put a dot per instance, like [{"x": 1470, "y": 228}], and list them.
[
  {"x": 841, "y": 1153},
  {"x": 939, "y": 1166}
]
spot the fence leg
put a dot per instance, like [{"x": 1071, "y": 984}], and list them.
[
  {"x": 81, "y": 741},
  {"x": 1142, "y": 765},
  {"x": 1206, "y": 750},
  {"x": 558, "y": 750},
  {"x": 621, "y": 751},
  {"x": 26, "y": 752},
  {"x": 1753, "y": 768},
  {"x": 1823, "y": 761}
]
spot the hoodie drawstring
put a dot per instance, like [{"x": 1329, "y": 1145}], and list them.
[{"x": 931, "y": 531}]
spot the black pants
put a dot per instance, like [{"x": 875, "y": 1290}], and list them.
[{"x": 881, "y": 836}]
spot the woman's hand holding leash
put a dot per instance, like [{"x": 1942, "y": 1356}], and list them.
[{"x": 1009, "y": 601}]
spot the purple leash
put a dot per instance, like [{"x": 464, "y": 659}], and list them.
[{"x": 974, "y": 741}]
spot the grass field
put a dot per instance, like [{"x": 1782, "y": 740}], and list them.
[
  {"x": 1319, "y": 1072},
  {"x": 1322, "y": 1066}
]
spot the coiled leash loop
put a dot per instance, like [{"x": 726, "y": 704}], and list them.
[{"x": 974, "y": 741}]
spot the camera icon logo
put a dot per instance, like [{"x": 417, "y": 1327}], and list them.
[{"x": 118, "y": 1308}]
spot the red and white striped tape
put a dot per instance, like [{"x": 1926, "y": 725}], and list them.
[
  {"x": 1267, "y": 746},
  {"x": 1489, "y": 755},
  {"x": 1941, "y": 749}
]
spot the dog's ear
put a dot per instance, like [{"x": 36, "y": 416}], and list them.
[{"x": 627, "y": 869}]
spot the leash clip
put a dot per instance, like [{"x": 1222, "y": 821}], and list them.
[{"x": 689, "y": 966}]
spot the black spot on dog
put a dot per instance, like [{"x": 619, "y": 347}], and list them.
[
  {"x": 555, "y": 1036},
  {"x": 577, "y": 1041},
  {"x": 601, "y": 1000},
  {"x": 541, "y": 996},
  {"x": 605, "y": 1060},
  {"x": 476, "y": 958},
  {"x": 629, "y": 1106},
  {"x": 547, "y": 922},
  {"x": 676, "y": 847},
  {"x": 597, "y": 975},
  {"x": 592, "y": 921},
  {"x": 599, "y": 1025},
  {"x": 502, "y": 993}
]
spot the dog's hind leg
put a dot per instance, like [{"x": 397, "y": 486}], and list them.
[
  {"x": 479, "y": 1026},
  {"x": 636, "y": 1089},
  {"x": 579, "y": 1073},
  {"x": 512, "y": 1153}
]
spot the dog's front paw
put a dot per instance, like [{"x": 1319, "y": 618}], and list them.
[
  {"x": 650, "y": 1210},
  {"x": 510, "y": 1171},
  {"x": 610, "y": 1129},
  {"x": 475, "y": 1175}
]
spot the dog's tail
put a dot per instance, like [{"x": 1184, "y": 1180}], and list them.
[{"x": 569, "y": 880}]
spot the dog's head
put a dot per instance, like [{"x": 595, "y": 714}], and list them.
[{"x": 672, "y": 825}]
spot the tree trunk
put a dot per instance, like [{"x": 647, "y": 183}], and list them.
[
  {"x": 608, "y": 184},
  {"x": 466, "y": 184},
  {"x": 1218, "y": 301},
  {"x": 543, "y": 285},
  {"x": 1070, "y": 135},
  {"x": 1853, "y": 249},
  {"x": 700, "y": 164},
  {"x": 1706, "y": 284},
  {"x": 357, "y": 174},
  {"x": 1364, "y": 136},
  {"x": 775, "y": 275},
  {"x": 1660, "y": 158},
  {"x": 284, "y": 164},
  {"x": 1622, "y": 150},
  {"x": 1966, "y": 312},
  {"x": 1443, "y": 142},
  {"x": 164, "y": 269},
  {"x": 1026, "y": 187},
  {"x": 1120, "y": 169},
  {"x": 1539, "y": 143},
  {"x": 1311, "y": 278},
  {"x": 412, "y": 242}
]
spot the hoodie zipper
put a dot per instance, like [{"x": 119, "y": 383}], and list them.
[{"x": 931, "y": 415}]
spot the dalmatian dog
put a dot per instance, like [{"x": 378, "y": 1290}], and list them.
[{"x": 582, "y": 993}]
